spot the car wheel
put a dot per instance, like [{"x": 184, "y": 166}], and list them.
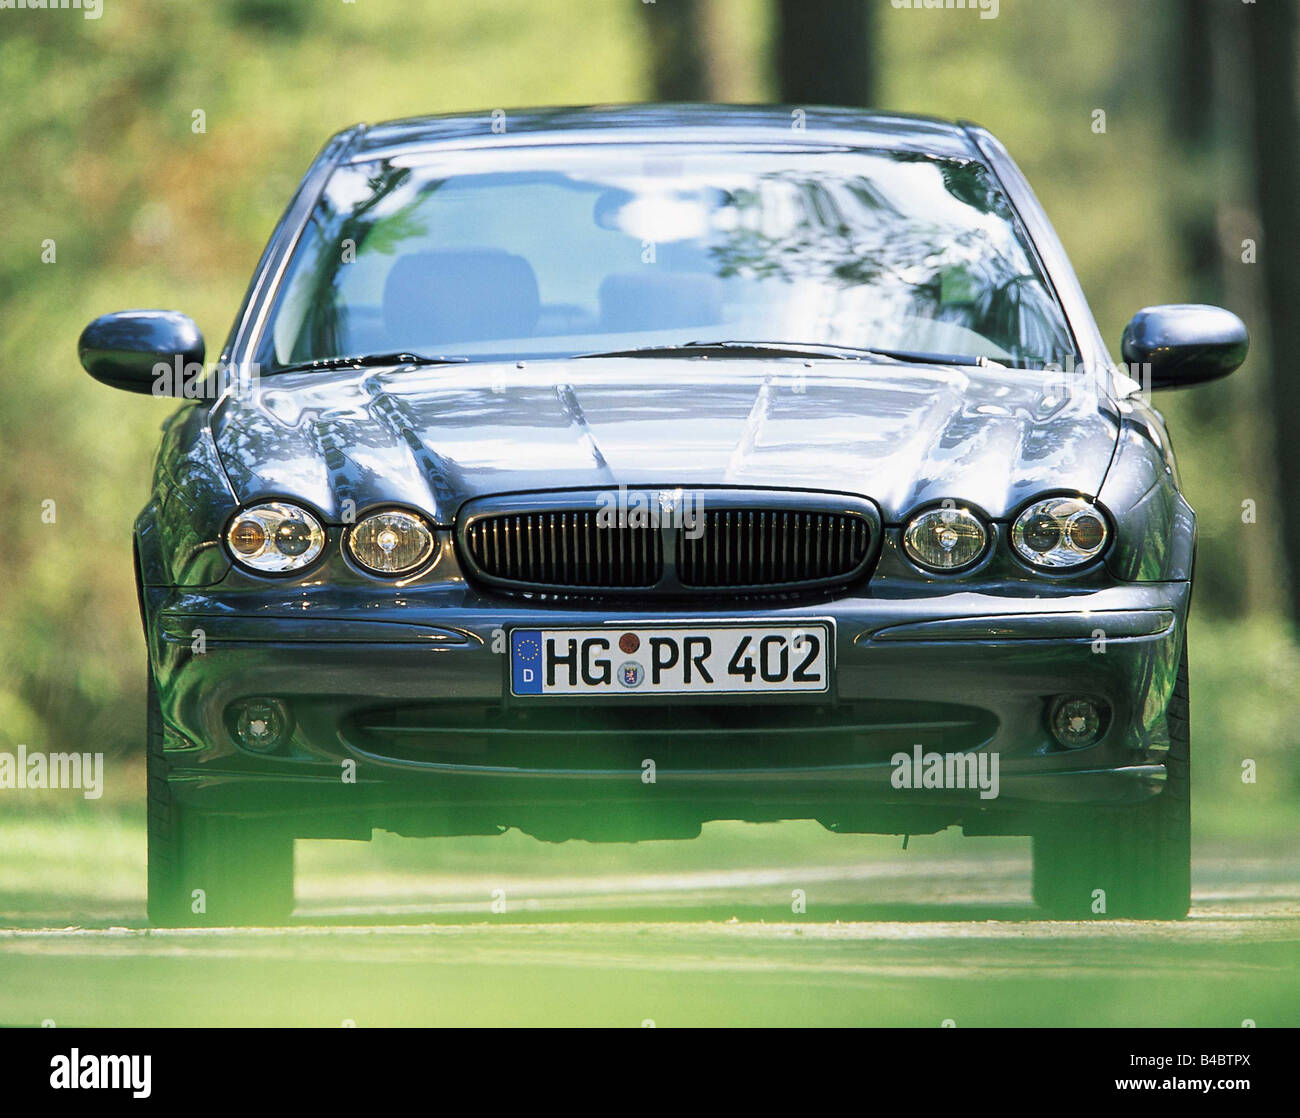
[
  {"x": 210, "y": 870},
  {"x": 1140, "y": 859}
]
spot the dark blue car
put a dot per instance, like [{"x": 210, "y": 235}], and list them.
[{"x": 603, "y": 472}]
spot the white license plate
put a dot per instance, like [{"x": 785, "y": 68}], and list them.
[{"x": 671, "y": 660}]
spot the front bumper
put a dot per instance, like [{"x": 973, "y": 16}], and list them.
[{"x": 402, "y": 718}]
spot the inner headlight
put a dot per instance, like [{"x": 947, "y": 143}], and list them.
[
  {"x": 1059, "y": 532},
  {"x": 275, "y": 537},
  {"x": 391, "y": 542},
  {"x": 945, "y": 539}
]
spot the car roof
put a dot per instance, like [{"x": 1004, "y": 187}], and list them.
[{"x": 783, "y": 125}]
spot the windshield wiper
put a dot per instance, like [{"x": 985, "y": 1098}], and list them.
[
  {"x": 370, "y": 360},
  {"x": 792, "y": 349}
]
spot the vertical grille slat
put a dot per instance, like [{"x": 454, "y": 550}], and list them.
[
  {"x": 712, "y": 550},
  {"x": 584, "y": 549},
  {"x": 726, "y": 545},
  {"x": 602, "y": 541}
]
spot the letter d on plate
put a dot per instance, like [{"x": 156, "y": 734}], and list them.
[{"x": 526, "y": 661}]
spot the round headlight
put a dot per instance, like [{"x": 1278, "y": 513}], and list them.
[
  {"x": 1059, "y": 532},
  {"x": 391, "y": 542},
  {"x": 275, "y": 537},
  {"x": 944, "y": 539}
]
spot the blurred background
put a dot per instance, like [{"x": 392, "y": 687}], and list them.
[{"x": 1162, "y": 138}]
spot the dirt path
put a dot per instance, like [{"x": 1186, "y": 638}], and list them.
[{"x": 937, "y": 940}]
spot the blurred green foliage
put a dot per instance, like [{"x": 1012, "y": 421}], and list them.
[{"x": 100, "y": 155}]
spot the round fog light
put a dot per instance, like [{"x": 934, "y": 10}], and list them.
[
  {"x": 261, "y": 725},
  {"x": 1077, "y": 722}
]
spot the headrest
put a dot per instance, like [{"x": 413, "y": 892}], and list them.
[
  {"x": 456, "y": 295},
  {"x": 659, "y": 300}
]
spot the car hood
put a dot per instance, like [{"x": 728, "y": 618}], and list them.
[{"x": 435, "y": 437}]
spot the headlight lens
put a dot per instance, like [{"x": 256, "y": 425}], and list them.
[
  {"x": 275, "y": 537},
  {"x": 1059, "y": 532},
  {"x": 945, "y": 539},
  {"x": 390, "y": 543}
]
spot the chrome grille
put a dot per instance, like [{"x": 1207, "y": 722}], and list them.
[
  {"x": 565, "y": 549},
  {"x": 738, "y": 542},
  {"x": 771, "y": 547}
]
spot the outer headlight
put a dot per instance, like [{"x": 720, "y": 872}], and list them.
[
  {"x": 1059, "y": 532},
  {"x": 945, "y": 539},
  {"x": 390, "y": 542},
  {"x": 275, "y": 537}
]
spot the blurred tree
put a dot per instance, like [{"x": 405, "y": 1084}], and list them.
[
  {"x": 679, "y": 38},
  {"x": 823, "y": 52},
  {"x": 1192, "y": 86},
  {"x": 1273, "y": 39},
  {"x": 1193, "y": 94},
  {"x": 284, "y": 17}
]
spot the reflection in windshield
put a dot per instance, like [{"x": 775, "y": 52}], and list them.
[{"x": 564, "y": 251}]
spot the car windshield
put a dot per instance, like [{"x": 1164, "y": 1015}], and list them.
[{"x": 558, "y": 251}]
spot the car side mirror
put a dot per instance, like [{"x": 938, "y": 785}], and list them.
[
  {"x": 123, "y": 350},
  {"x": 1185, "y": 344}
]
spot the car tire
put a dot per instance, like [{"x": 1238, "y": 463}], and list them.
[
  {"x": 210, "y": 870},
  {"x": 1140, "y": 858}
]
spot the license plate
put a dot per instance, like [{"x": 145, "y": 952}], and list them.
[{"x": 681, "y": 659}]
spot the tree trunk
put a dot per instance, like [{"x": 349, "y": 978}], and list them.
[
  {"x": 822, "y": 52},
  {"x": 679, "y": 36},
  {"x": 1192, "y": 97},
  {"x": 1272, "y": 35}
]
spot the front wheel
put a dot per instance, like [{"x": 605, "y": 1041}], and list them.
[
  {"x": 210, "y": 870},
  {"x": 1136, "y": 863}
]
